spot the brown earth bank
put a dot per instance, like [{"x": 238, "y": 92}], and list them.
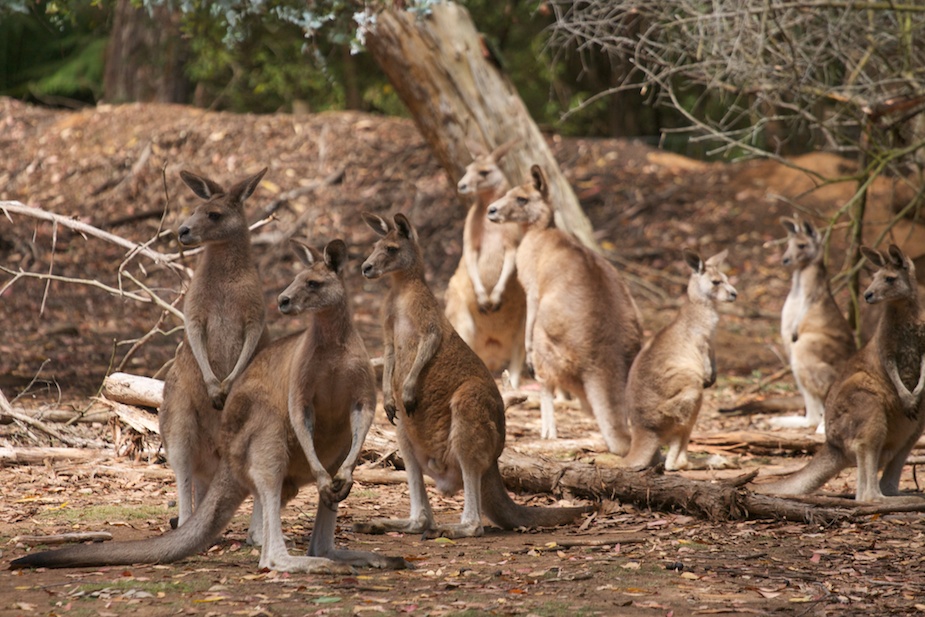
[{"x": 117, "y": 168}]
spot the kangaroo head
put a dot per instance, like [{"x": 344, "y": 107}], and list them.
[
  {"x": 527, "y": 204},
  {"x": 220, "y": 217},
  {"x": 483, "y": 174},
  {"x": 803, "y": 243},
  {"x": 397, "y": 248},
  {"x": 707, "y": 282},
  {"x": 321, "y": 284},
  {"x": 894, "y": 278}
]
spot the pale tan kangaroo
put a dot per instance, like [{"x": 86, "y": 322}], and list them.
[
  {"x": 873, "y": 413},
  {"x": 484, "y": 300},
  {"x": 816, "y": 336},
  {"x": 583, "y": 327},
  {"x": 299, "y": 413},
  {"x": 225, "y": 319},
  {"x": 664, "y": 391},
  {"x": 444, "y": 401}
]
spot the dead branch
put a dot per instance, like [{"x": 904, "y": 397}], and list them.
[
  {"x": 7, "y": 410},
  {"x": 39, "y": 456},
  {"x": 64, "y": 538}
]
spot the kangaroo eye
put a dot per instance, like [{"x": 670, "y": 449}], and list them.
[
  {"x": 801, "y": 246},
  {"x": 214, "y": 216},
  {"x": 484, "y": 173},
  {"x": 716, "y": 283},
  {"x": 314, "y": 285},
  {"x": 522, "y": 201},
  {"x": 890, "y": 279},
  {"x": 391, "y": 250}
]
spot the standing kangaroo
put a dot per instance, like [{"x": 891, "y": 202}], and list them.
[
  {"x": 873, "y": 414},
  {"x": 448, "y": 410},
  {"x": 225, "y": 319},
  {"x": 299, "y": 413},
  {"x": 817, "y": 338},
  {"x": 664, "y": 391},
  {"x": 484, "y": 301},
  {"x": 583, "y": 327}
]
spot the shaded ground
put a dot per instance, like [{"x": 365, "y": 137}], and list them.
[{"x": 117, "y": 168}]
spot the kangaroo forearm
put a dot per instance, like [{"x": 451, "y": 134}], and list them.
[
  {"x": 426, "y": 350},
  {"x": 302, "y": 419},
  {"x": 251, "y": 339},
  {"x": 197, "y": 344},
  {"x": 507, "y": 269},
  {"x": 472, "y": 268},
  {"x": 361, "y": 418}
]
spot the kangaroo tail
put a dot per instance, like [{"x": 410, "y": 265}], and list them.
[
  {"x": 824, "y": 465},
  {"x": 197, "y": 534},
  {"x": 504, "y": 512}
]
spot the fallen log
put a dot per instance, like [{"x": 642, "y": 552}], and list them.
[
  {"x": 653, "y": 489},
  {"x": 38, "y": 456},
  {"x": 134, "y": 390}
]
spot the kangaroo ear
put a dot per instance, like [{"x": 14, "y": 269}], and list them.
[
  {"x": 404, "y": 227},
  {"x": 539, "y": 180},
  {"x": 335, "y": 255},
  {"x": 306, "y": 254},
  {"x": 693, "y": 260},
  {"x": 377, "y": 223},
  {"x": 245, "y": 188},
  {"x": 810, "y": 231},
  {"x": 896, "y": 254},
  {"x": 203, "y": 187},
  {"x": 719, "y": 258},
  {"x": 874, "y": 256},
  {"x": 790, "y": 225},
  {"x": 501, "y": 151}
]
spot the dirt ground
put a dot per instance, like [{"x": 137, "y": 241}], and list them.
[{"x": 117, "y": 168}]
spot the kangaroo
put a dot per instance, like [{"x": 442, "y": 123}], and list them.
[
  {"x": 583, "y": 327},
  {"x": 484, "y": 301},
  {"x": 444, "y": 401},
  {"x": 299, "y": 412},
  {"x": 873, "y": 414},
  {"x": 664, "y": 391},
  {"x": 225, "y": 319},
  {"x": 816, "y": 336}
]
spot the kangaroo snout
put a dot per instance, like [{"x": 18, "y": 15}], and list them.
[
  {"x": 368, "y": 270},
  {"x": 184, "y": 235},
  {"x": 493, "y": 214},
  {"x": 869, "y": 297},
  {"x": 285, "y": 304}
]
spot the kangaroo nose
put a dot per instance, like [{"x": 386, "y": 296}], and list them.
[
  {"x": 869, "y": 296},
  {"x": 367, "y": 270},
  {"x": 285, "y": 304},
  {"x": 492, "y": 211},
  {"x": 183, "y": 233}
]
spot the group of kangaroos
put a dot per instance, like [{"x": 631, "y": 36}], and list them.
[{"x": 246, "y": 415}]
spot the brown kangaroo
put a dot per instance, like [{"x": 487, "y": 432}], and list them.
[
  {"x": 299, "y": 413},
  {"x": 225, "y": 318},
  {"x": 817, "y": 338},
  {"x": 484, "y": 300},
  {"x": 583, "y": 327},
  {"x": 447, "y": 407},
  {"x": 873, "y": 413},
  {"x": 664, "y": 391}
]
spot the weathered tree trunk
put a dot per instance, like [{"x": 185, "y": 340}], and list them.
[
  {"x": 145, "y": 56},
  {"x": 437, "y": 66}
]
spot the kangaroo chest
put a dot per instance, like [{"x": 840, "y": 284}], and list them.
[{"x": 795, "y": 308}]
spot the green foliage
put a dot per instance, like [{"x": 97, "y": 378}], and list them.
[{"x": 47, "y": 57}]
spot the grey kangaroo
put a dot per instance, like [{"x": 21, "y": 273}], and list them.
[
  {"x": 873, "y": 413},
  {"x": 299, "y": 413},
  {"x": 444, "y": 401},
  {"x": 667, "y": 379}
]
